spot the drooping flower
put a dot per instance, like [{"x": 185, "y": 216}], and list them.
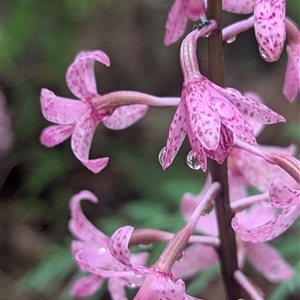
[
  {"x": 269, "y": 27},
  {"x": 158, "y": 281},
  {"x": 117, "y": 110},
  {"x": 6, "y": 135},
  {"x": 263, "y": 257},
  {"x": 184, "y": 10},
  {"x": 93, "y": 247},
  {"x": 208, "y": 114},
  {"x": 291, "y": 85}
]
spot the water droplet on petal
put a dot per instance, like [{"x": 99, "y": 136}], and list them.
[
  {"x": 179, "y": 259},
  {"x": 162, "y": 155},
  {"x": 264, "y": 56},
  {"x": 131, "y": 286},
  {"x": 192, "y": 161},
  {"x": 145, "y": 247},
  {"x": 101, "y": 250},
  {"x": 209, "y": 210},
  {"x": 231, "y": 39},
  {"x": 207, "y": 35}
]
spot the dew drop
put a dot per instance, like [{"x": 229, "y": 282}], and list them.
[
  {"x": 264, "y": 56},
  {"x": 101, "y": 250},
  {"x": 192, "y": 161},
  {"x": 144, "y": 247},
  {"x": 179, "y": 259},
  {"x": 231, "y": 39},
  {"x": 131, "y": 286},
  {"x": 162, "y": 155},
  {"x": 207, "y": 35}
]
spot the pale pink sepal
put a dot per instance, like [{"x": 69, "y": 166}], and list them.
[
  {"x": 87, "y": 285},
  {"x": 81, "y": 143},
  {"x": 269, "y": 230},
  {"x": 125, "y": 116},
  {"x": 269, "y": 26},
  {"x": 283, "y": 196},
  {"x": 80, "y": 75},
  {"x": 269, "y": 262},
  {"x": 291, "y": 85},
  {"x": 55, "y": 134}
]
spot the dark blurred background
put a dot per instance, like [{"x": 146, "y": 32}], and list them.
[{"x": 39, "y": 39}]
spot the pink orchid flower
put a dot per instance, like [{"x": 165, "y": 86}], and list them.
[
  {"x": 184, "y": 10},
  {"x": 269, "y": 27},
  {"x": 263, "y": 257},
  {"x": 291, "y": 85},
  {"x": 208, "y": 114},
  {"x": 79, "y": 119},
  {"x": 158, "y": 280},
  {"x": 93, "y": 247}
]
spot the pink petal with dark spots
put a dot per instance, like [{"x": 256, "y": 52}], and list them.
[
  {"x": 251, "y": 108},
  {"x": 291, "y": 85},
  {"x": 79, "y": 225},
  {"x": 269, "y": 230},
  {"x": 116, "y": 287},
  {"x": 193, "y": 263},
  {"x": 269, "y": 26},
  {"x": 125, "y": 116},
  {"x": 267, "y": 260},
  {"x": 80, "y": 75},
  {"x": 55, "y": 134},
  {"x": 283, "y": 196},
  {"x": 82, "y": 140},
  {"x": 87, "y": 285},
  {"x": 239, "y": 6},
  {"x": 61, "y": 110},
  {"x": 176, "y": 22},
  {"x": 177, "y": 133}
]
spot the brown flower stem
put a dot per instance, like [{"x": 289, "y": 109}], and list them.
[{"x": 228, "y": 250}]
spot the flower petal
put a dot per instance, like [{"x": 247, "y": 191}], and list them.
[
  {"x": 79, "y": 225},
  {"x": 61, "y": 110},
  {"x": 80, "y": 75},
  {"x": 269, "y": 230},
  {"x": 291, "y": 85},
  {"x": 239, "y": 6},
  {"x": 55, "y": 134},
  {"x": 125, "y": 116},
  {"x": 283, "y": 196},
  {"x": 87, "y": 285},
  {"x": 193, "y": 263},
  {"x": 269, "y": 26},
  {"x": 267, "y": 260},
  {"x": 177, "y": 133},
  {"x": 116, "y": 288},
  {"x": 119, "y": 245},
  {"x": 250, "y": 107},
  {"x": 176, "y": 22},
  {"x": 82, "y": 140}
]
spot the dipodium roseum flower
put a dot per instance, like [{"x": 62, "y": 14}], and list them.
[
  {"x": 291, "y": 85},
  {"x": 184, "y": 10},
  {"x": 158, "y": 281},
  {"x": 117, "y": 110},
  {"x": 262, "y": 256},
  {"x": 269, "y": 26},
  {"x": 210, "y": 115},
  {"x": 93, "y": 247}
]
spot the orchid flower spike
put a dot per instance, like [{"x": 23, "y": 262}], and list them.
[
  {"x": 208, "y": 114},
  {"x": 184, "y": 10},
  {"x": 291, "y": 85},
  {"x": 269, "y": 27},
  {"x": 79, "y": 119}
]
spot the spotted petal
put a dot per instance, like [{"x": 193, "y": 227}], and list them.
[
  {"x": 125, "y": 116},
  {"x": 269, "y": 230},
  {"x": 283, "y": 196},
  {"x": 55, "y": 134},
  {"x": 61, "y": 110},
  {"x": 82, "y": 140},
  {"x": 269, "y": 262},
  {"x": 87, "y": 285},
  {"x": 239, "y": 6},
  {"x": 79, "y": 225},
  {"x": 80, "y": 75},
  {"x": 269, "y": 27}
]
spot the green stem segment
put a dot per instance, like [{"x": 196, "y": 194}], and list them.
[{"x": 228, "y": 250}]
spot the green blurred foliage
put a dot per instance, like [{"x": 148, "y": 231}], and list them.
[{"x": 39, "y": 39}]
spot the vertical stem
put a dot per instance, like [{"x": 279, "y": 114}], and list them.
[{"x": 228, "y": 250}]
